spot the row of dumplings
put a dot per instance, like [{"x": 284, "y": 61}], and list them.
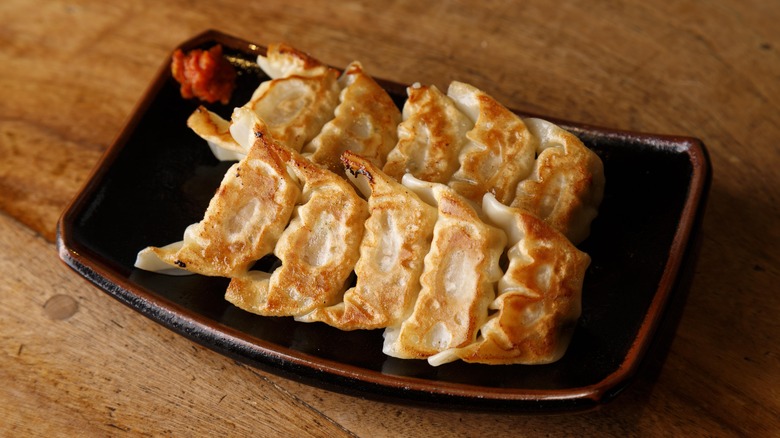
[{"x": 451, "y": 228}]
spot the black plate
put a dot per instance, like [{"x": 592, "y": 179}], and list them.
[{"x": 158, "y": 176}]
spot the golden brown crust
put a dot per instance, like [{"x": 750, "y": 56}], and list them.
[
  {"x": 296, "y": 108},
  {"x": 307, "y": 61},
  {"x": 318, "y": 249},
  {"x": 429, "y": 138},
  {"x": 458, "y": 282},
  {"x": 539, "y": 299},
  {"x": 567, "y": 182},
  {"x": 397, "y": 236},
  {"x": 244, "y": 219},
  {"x": 500, "y": 152},
  {"x": 365, "y": 123}
]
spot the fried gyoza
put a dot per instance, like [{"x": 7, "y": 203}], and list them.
[
  {"x": 458, "y": 281},
  {"x": 539, "y": 296},
  {"x": 500, "y": 151},
  {"x": 244, "y": 219},
  {"x": 430, "y": 137},
  {"x": 318, "y": 249},
  {"x": 428, "y": 253},
  {"x": 365, "y": 123},
  {"x": 566, "y": 185},
  {"x": 397, "y": 237},
  {"x": 477, "y": 146},
  {"x": 294, "y": 104}
]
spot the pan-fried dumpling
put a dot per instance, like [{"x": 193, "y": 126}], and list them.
[
  {"x": 397, "y": 237},
  {"x": 244, "y": 219},
  {"x": 500, "y": 152},
  {"x": 430, "y": 137},
  {"x": 566, "y": 185},
  {"x": 282, "y": 61},
  {"x": 216, "y": 131},
  {"x": 539, "y": 296},
  {"x": 458, "y": 281},
  {"x": 365, "y": 123},
  {"x": 317, "y": 250},
  {"x": 294, "y": 104}
]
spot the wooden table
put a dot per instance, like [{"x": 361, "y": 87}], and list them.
[{"x": 75, "y": 361}]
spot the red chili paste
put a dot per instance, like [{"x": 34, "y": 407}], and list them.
[{"x": 206, "y": 75}]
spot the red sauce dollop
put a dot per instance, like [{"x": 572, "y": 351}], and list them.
[{"x": 205, "y": 75}]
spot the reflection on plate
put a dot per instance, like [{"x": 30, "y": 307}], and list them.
[{"x": 158, "y": 177}]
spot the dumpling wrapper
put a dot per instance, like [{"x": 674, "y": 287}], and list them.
[
  {"x": 430, "y": 137},
  {"x": 295, "y": 104},
  {"x": 244, "y": 218},
  {"x": 566, "y": 185},
  {"x": 500, "y": 152},
  {"x": 397, "y": 237},
  {"x": 282, "y": 61},
  {"x": 365, "y": 123},
  {"x": 458, "y": 281},
  {"x": 539, "y": 296},
  {"x": 317, "y": 250}
]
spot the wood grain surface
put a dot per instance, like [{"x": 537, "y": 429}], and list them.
[{"x": 73, "y": 361}]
